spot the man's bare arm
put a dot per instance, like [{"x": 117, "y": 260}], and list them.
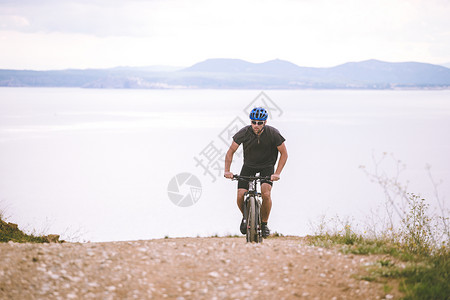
[
  {"x": 229, "y": 158},
  {"x": 281, "y": 162}
]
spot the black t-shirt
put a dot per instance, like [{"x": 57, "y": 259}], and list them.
[{"x": 259, "y": 152}]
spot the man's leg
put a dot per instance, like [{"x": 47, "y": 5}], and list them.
[
  {"x": 240, "y": 202},
  {"x": 240, "y": 199},
  {"x": 267, "y": 202},
  {"x": 242, "y": 189}
]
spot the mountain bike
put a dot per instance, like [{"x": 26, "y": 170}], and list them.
[{"x": 252, "y": 207}]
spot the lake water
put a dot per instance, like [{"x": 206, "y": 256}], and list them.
[{"x": 97, "y": 164}]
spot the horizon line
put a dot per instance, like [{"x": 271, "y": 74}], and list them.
[{"x": 446, "y": 65}]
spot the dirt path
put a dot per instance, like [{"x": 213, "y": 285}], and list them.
[{"x": 184, "y": 268}]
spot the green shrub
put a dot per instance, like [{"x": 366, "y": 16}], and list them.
[
  {"x": 11, "y": 232},
  {"x": 419, "y": 242}
]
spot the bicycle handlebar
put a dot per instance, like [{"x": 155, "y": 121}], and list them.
[{"x": 250, "y": 178}]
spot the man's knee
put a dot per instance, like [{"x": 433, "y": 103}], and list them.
[
  {"x": 266, "y": 195},
  {"x": 266, "y": 190},
  {"x": 241, "y": 193}
]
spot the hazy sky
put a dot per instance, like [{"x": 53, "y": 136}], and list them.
[{"x": 57, "y": 34}]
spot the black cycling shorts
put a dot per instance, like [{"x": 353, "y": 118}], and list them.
[{"x": 247, "y": 171}]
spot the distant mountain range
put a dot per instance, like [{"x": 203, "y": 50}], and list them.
[{"x": 240, "y": 74}]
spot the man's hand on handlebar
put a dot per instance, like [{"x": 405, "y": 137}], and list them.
[
  {"x": 275, "y": 177},
  {"x": 228, "y": 175}
]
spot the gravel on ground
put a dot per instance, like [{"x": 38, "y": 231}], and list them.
[{"x": 186, "y": 268}]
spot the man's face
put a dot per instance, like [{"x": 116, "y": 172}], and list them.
[{"x": 257, "y": 126}]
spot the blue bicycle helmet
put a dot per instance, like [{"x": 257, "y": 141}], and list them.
[{"x": 259, "y": 113}]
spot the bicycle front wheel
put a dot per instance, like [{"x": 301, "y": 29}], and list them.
[{"x": 252, "y": 221}]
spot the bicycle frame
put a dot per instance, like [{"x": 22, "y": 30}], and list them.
[{"x": 252, "y": 207}]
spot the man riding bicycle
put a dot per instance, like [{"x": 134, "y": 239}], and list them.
[{"x": 261, "y": 144}]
